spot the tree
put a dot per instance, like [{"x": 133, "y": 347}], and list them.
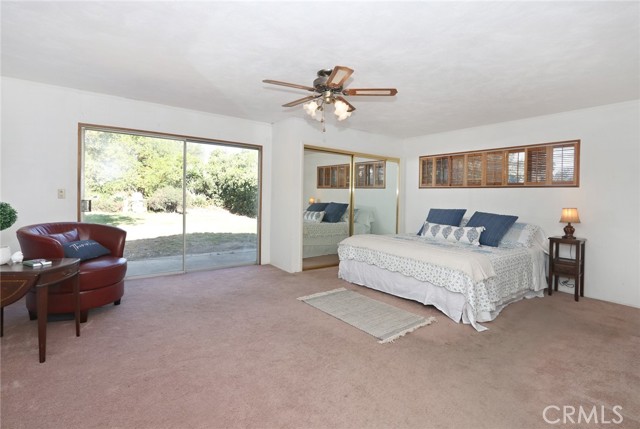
[
  {"x": 234, "y": 180},
  {"x": 117, "y": 165}
]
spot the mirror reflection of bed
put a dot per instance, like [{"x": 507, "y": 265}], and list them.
[{"x": 327, "y": 215}]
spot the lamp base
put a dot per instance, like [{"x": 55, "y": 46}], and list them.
[{"x": 568, "y": 231}]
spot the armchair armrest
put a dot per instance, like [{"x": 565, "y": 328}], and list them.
[{"x": 39, "y": 246}]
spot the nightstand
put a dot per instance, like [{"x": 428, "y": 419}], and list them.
[{"x": 567, "y": 267}]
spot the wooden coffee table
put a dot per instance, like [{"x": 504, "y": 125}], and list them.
[{"x": 17, "y": 279}]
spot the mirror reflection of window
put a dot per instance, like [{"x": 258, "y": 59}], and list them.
[{"x": 375, "y": 196}]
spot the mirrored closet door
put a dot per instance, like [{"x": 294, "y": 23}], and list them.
[
  {"x": 326, "y": 197},
  {"x": 375, "y": 196},
  {"x": 333, "y": 182}
]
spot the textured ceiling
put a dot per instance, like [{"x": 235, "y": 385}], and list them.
[{"x": 455, "y": 64}]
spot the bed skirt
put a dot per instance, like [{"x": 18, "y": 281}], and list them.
[{"x": 452, "y": 304}]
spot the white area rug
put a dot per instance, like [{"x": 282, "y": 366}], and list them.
[{"x": 383, "y": 321}]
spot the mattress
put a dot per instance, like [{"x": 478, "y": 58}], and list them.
[{"x": 471, "y": 284}]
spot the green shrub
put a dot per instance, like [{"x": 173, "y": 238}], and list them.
[
  {"x": 239, "y": 195},
  {"x": 166, "y": 199},
  {"x": 107, "y": 203},
  {"x": 198, "y": 200},
  {"x": 8, "y": 216}
]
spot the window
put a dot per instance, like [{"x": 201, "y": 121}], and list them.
[
  {"x": 550, "y": 164},
  {"x": 442, "y": 171},
  {"x": 370, "y": 174},
  {"x": 333, "y": 176},
  {"x": 426, "y": 171},
  {"x": 457, "y": 170},
  {"x": 515, "y": 167},
  {"x": 564, "y": 165}
]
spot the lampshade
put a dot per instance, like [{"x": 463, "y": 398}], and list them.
[
  {"x": 312, "y": 200},
  {"x": 570, "y": 215},
  {"x": 341, "y": 110}
]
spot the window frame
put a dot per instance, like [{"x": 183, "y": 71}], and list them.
[
  {"x": 375, "y": 174},
  {"x": 535, "y": 171},
  {"x": 333, "y": 176}
]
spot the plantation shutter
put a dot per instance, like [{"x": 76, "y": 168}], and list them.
[
  {"x": 551, "y": 164},
  {"x": 474, "y": 169},
  {"x": 457, "y": 170},
  {"x": 537, "y": 165},
  {"x": 564, "y": 164},
  {"x": 442, "y": 171},
  {"x": 494, "y": 168},
  {"x": 426, "y": 166}
]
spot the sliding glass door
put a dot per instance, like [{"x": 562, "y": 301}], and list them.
[
  {"x": 221, "y": 222},
  {"x": 186, "y": 205}
]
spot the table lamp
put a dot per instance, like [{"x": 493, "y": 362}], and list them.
[
  {"x": 312, "y": 200},
  {"x": 569, "y": 215}
]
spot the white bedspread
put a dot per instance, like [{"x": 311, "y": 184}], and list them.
[
  {"x": 459, "y": 268},
  {"x": 373, "y": 248}
]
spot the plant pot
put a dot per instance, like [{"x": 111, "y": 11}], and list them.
[{"x": 5, "y": 254}]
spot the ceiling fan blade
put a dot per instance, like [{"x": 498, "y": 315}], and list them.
[
  {"x": 371, "y": 91},
  {"x": 291, "y": 85},
  {"x": 302, "y": 100},
  {"x": 351, "y": 108},
  {"x": 339, "y": 76}
]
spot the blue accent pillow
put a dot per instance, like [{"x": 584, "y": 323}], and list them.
[
  {"x": 444, "y": 217},
  {"x": 334, "y": 211},
  {"x": 496, "y": 226},
  {"x": 84, "y": 249},
  {"x": 317, "y": 207}
]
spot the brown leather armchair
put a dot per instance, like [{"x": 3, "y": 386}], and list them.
[{"x": 101, "y": 279}]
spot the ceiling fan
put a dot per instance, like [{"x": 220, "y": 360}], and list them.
[{"x": 328, "y": 88}]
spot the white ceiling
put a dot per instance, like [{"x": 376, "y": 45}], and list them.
[{"x": 455, "y": 64}]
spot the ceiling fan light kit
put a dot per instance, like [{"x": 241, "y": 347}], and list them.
[{"x": 329, "y": 89}]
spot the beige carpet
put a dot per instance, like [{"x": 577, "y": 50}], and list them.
[{"x": 235, "y": 349}]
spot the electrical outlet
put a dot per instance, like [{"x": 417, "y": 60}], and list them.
[{"x": 62, "y": 194}]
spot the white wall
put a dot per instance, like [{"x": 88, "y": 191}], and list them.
[
  {"x": 39, "y": 148},
  {"x": 607, "y": 199}
]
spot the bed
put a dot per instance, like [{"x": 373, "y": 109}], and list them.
[
  {"x": 469, "y": 283},
  {"x": 322, "y": 238}
]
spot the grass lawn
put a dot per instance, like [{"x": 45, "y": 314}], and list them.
[
  {"x": 197, "y": 243},
  {"x": 143, "y": 230}
]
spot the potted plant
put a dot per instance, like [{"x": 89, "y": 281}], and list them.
[{"x": 8, "y": 216}]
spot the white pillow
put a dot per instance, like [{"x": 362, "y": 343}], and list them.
[
  {"x": 312, "y": 216},
  {"x": 456, "y": 234},
  {"x": 519, "y": 235},
  {"x": 364, "y": 216},
  {"x": 345, "y": 215}
]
